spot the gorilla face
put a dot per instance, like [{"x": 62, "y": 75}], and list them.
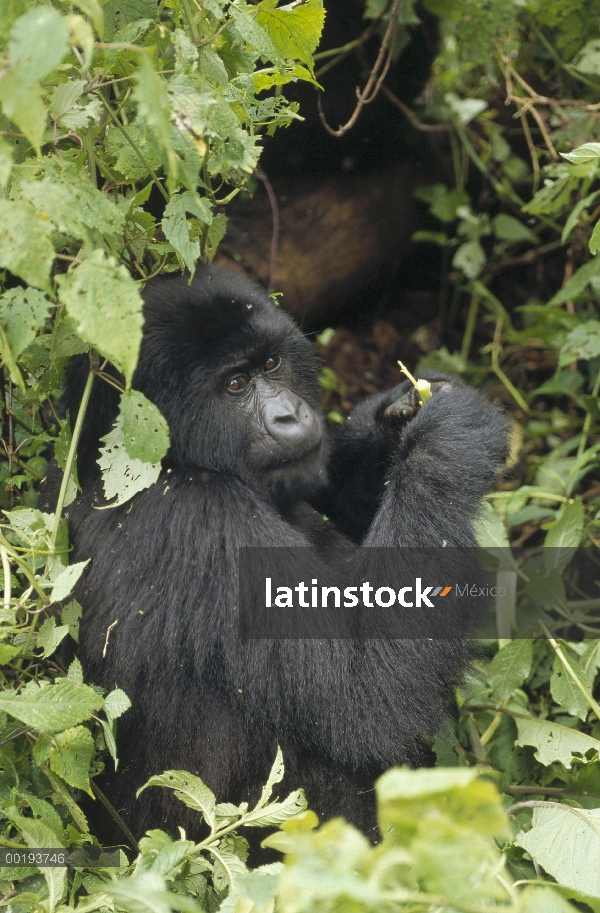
[{"x": 241, "y": 394}]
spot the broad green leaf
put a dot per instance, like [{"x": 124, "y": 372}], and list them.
[
  {"x": 228, "y": 869},
  {"x": 146, "y": 892},
  {"x": 507, "y": 228},
  {"x": 74, "y": 205},
  {"x": 92, "y": 9},
  {"x": 582, "y": 343},
  {"x": 553, "y": 742},
  {"x": 38, "y": 834},
  {"x": 565, "y": 841},
  {"x": 38, "y": 42},
  {"x": 189, "y": 789},
  {"x": 25, "y": 246},
  {"x": 587, "y": 61},
  {"x": 564, "y": 537},
  {"x": 50, "y": 636},
  {"x": 574, "y": 216},
  {"x": 465, "y": 109},
  {"x": 52, "y": 708},
  {"x": 23, "y": 105},
  {"x": 105, "y": 306},
  {"x": 510, "y": 667},
  {"x": 23, "y": 313},
  {"x": 254, "y": 35},
  {"x": 177, "y": 229},
  {"x": 145, "y": 431},
  {"x": 75, "y": 672},
  {"x": 71, "y": 755},
  {"x": 443, "y": 203},
  {"x": 546, "y": 899},
  {"x": 586, "y": 153},
  {"x": 564, "y": 690},
  {"x": 490, "y": 530},
  {"x": 549, "y": 589},
  {"x": 70, "y": 615},
  {"x": 123, "y": 476},
  {"x": 295, "y": 32},
  {"x": 66, "y": 580},
  {"x": 577, "y": 283},
  {"x": 407, "y": 799},
  {"x": 116, "y": 703}
]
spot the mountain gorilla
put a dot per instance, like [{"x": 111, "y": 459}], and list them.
[{"x": 237, "y": 382}]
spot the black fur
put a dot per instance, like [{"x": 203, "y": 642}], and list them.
[{"x": 165, "y": 564}]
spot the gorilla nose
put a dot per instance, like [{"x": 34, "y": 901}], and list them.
[{"x": 291, "y": 421}]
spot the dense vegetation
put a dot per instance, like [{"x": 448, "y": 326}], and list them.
[{"x": 126, "y": 129}]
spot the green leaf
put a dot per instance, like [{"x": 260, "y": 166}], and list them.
[
  {"x": 564, "y": 537},
  {"x": 116, "y": 703},
  {"x": 71, "y": 755},
  {"x": 38, "y": 42},
  {"x": 146, "y": 892},
  {"x": 294, "y": 32},
  {"x": 70, "y": 615},
  {"x": 275, "y": 776},
  {"x": 470, "y": 258},
  {"x": 38, "y": 834},
  {"x": 443, "y": 203},
  {"x": 574, "y": 216},
  {"x": 105, "y": 306},
  {"x": 565, "y": 841},
  {"x": 189, "y": 789},
  {"x": 66, "y": 580},
  {"x": 507, "y": 228},
  {"x": 71, "y": 202},
  {"x": 24, "y": 106},
  {"x": 49, "y": 636},
  {"x": 564, "y": 690},
  {"x": 254, "y": 35},
  {"x": 465, "y": 109},
  {"x": 586, "y": 153},
  {"x": 490, "y": 530},
  {"x": 582, "y": 343},
  {"x": 553, "y": 742},
  {"x": 276, "y": 813},
  {"x": 51, "y": 708},
  {"x": 75, "y": 672},
  {"x": 510, "y": 667},
  {"x": 588, "y": 61},
  {"x": 177, "y": 229},
  {"x": 546, "y": 899},
  {"x": 23, "y": 313},
  {"x": 25, "y": 247},
  {"x": 145, "y": 431},
  {"x": 577, "y": 283},
  {"x": 6, "y": 162},
  {"x": 123, "y": 476}
]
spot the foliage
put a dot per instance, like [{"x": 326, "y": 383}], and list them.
[{"x": 125, "y": 131}]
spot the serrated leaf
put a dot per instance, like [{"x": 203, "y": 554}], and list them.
[
  {"x": 255, "y": 36},
  {"x": 565, "y": 841},
  {"x": 66, "y": 580},
  {"x": 177, "y": 229},
  {"x": 24, "y": 106},
  {"x": 275, "y": 776},
  {"x": 145, "y": 431},
  {"x": 75, "y": 672},
  {"x": 188, "y": 789},
  {"x": 23, "y": 313},
  {"x": 70, "y": 615},
  {"x": 553, "y": 742},
  {"x": 49, "y": 636},
  {"x": 25, "y": 246},
  {"x": 74, "y": 205},
  {"x": 65, "y": 95},
  {"x": 71, "y": 755},
  {"x": 52, "y": 708},
  {"x": 295, "y": 32},
  {"x": 105, "y": 305},
  {"x": 116, "y": 703},
  {"x": 276, "y": 813},
  {"x": 123, "y": 476},
  {"x": 510, "y": 667},
  {"x": 564, "y": 690}
]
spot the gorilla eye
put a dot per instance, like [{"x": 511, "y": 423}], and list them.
[
  {"x": 272, "y": 363},
  {"x": 237, "y": 384}
]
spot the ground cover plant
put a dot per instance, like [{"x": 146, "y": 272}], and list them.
[{"x": 125, "y": 131}]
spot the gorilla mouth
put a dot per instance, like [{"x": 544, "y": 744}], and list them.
[{"x": 294, "y": 458}]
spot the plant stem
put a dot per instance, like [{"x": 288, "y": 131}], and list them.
[
  {"x": 71, "y": 456},
  {"x": 133, "y": 145},
  {"x": 470, "y": 326}
]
